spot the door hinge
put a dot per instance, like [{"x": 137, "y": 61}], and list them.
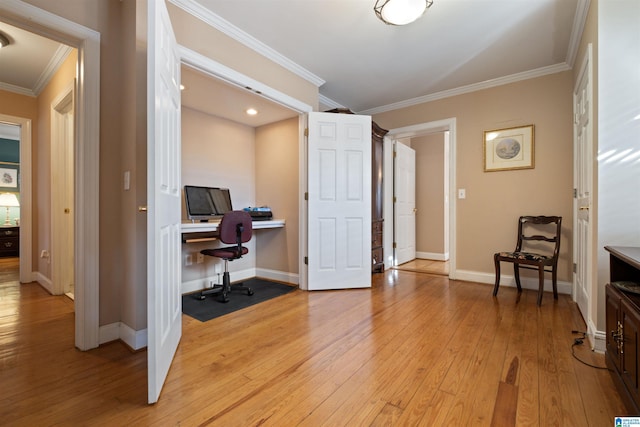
[
  {"x": 575, "y": 267},
  {"x": 306, "y": 195},
  {"x": 306, "y": 131},
  {"x": 394, "y": 199},
  {"x": 394, "y": 245},
  {"x": 306, "y": 260},
  {"x": 395, "y": 153},
  {"x": 575, "y": 193}
]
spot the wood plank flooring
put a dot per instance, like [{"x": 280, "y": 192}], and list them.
[
  {"x": 416, "y": 349},
  {"x": 419, "y": 265}
]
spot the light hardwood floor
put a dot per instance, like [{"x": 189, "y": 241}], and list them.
[
  {"x": 425, "y": 266},
  {"x": 416, "y": 349}
]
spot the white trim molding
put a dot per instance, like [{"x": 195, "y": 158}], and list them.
[
  {"x": 510, "y": 281},
  {"x": 433, "y": 256}
]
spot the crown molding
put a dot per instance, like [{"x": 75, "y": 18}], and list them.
[
  {"x": 579, "y": 21},
  {"x": 16, "y": 89},
  {"x": 552, "y": 69},
  {"x": 196, "y": 9},
  {"x": 328, "y": 102},
  {"x": 54, "y": 64}
]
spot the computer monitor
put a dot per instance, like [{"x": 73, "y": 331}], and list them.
[{"x": 204, "y": 203}]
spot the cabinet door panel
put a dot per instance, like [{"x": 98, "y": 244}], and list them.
[
  {"x": 613, "y": 314},
  {"x": 631, "y": 324}
]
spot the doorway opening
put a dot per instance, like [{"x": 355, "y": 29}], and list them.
[{"x": 424, "y": 138}]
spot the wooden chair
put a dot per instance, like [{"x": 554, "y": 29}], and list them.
[{"x": 530, "y": 251}]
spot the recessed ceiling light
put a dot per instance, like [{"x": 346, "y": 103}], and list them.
[{"x": 252, "y": 111}]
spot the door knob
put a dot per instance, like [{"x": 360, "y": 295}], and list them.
[{"x": 142, "y": 208}]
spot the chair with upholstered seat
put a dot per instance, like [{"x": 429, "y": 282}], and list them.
[
  {"x": 235, "y": 228},
  {"x": 537, "y": 248}
]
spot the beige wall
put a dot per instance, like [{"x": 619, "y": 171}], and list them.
[
  {"x": 430, "y": 194},
  {"x": 41, "y": 162},
  {"x": 277, "y": 186},
  {"x": 217, "y": 153},
  {"x": 487, "y": 219}
]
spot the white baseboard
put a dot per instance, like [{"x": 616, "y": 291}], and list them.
[
  {"x": 45, "y": 282},
  {"x": 597, "y": 339},
  {"x": 510, "y": 281},
  {"x": 205, "y": 282},
  {"x": 119, "y": 331},
  {"x": 279, "y": 276},
  {"x": 433, "y": 256}
]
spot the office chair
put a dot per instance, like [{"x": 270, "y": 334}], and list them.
[
  {"x": 530, "y": 251},
  {"x": 235, "y": 227}
]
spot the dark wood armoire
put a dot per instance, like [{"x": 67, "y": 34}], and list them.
[{"x": 377, "y": 195}]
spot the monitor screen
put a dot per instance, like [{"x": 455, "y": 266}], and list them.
[{"x": 205, "y": 203}]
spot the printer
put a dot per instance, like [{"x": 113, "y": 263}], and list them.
[{"x": 262, "y": 213}]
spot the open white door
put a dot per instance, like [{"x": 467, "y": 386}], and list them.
[
  {"x": 404, "y": 183},
  {"x": 339, "y": 201},
  {"x": 164, "y": 303},
  {"x": 583, "y": 182}
]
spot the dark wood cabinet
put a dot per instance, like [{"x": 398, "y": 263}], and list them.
[
  {"x": 622, "y": 304},
  {"x": 9, "y": 242},
  {"x": 377, "y": 194}
]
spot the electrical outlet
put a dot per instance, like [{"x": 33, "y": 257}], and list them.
[
  {"x": 188, "y": 260},
  {"x": 199, "y": 258}
]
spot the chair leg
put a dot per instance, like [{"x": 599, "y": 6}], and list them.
[
  {"x": 541, "y": 284},
  {"x": 226, "y": 287},
  {"x": 554, "y": 280},
  {"x": 516, "y": 274},
  {"x": 497, "y": 263}
]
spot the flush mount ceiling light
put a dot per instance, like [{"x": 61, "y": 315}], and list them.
[
  {"x": 400, "y": 12},
  {"x": 4, "y": 41}
]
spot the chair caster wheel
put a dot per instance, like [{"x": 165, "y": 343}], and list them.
[
  {"x": 223, "y": 298},
  {"x": 249, "y": 292},
  {"x": 202, "y": 297}
]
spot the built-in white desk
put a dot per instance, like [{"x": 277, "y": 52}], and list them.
[{"x": 193, "y": 232}]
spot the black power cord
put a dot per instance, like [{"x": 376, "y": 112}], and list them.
[{"x": 580, "y": 341}]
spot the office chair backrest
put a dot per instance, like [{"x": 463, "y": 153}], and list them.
[{"x": 235, "y": 227}]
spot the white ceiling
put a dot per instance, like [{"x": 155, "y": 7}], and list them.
[{"x": 358, "y": 62}]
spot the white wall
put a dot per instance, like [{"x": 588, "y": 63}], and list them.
[{"x": 618, "y": 208}]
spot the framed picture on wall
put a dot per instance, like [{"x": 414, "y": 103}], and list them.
[
  {"x": 509, "y": 149},
  {"x": 9, "y": 177}
]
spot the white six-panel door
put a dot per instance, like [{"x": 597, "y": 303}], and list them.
[
  {"x": 164, "y": 302},
  {"x": 339, "y": 201},
  {"x": 404, "y": 183},
  {"x": 583, "y": 179}
]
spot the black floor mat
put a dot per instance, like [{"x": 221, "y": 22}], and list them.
[{"x": 210, "y": 307}]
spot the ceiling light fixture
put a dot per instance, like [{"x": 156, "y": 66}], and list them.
[
  {"x": 4, "y": 41},
  {"x": 252, "y": 111},
  {"x": 400, "y": 12}
]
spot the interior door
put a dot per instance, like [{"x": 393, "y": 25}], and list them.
[
  {"x": 404, "y": 183},
  {"x": 164, "y": 303},
  {"x": 583, "y": 143},
  {"x": 339, "y": 201}
]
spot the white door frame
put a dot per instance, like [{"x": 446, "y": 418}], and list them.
[
  {"x": 411, "y": 132},
  {"x": 87, "y": 128}
]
